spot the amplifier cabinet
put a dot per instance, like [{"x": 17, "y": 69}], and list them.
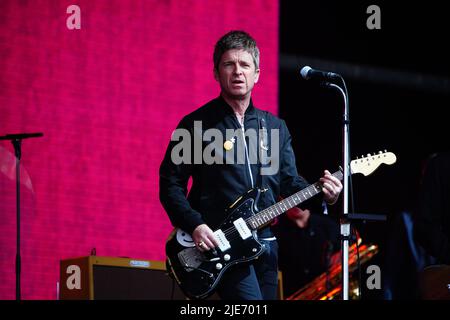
[{"x": 111, "y": 278}]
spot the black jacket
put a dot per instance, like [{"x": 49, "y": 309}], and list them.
[{"x": 216, "y": 186}]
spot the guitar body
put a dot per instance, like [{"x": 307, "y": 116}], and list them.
[{"x": 198, "y": 273}]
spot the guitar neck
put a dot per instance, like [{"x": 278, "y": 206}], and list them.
[{"x": 267, "y": 215}]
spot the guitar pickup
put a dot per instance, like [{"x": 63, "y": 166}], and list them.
[
  {"x": 242, "y": 228},
  {"x": 223, "y": 242}
]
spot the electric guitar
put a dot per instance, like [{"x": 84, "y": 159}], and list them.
[{"x": 198, "y": 273}]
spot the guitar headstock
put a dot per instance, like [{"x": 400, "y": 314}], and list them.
[{"x": 367, "y": 165}]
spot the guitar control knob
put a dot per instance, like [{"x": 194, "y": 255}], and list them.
[
  {"x": 226, "y": 257},
  {"x": 218, "y": 266}
]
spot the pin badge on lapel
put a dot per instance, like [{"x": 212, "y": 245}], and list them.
[{"x": 228, "y": 145}]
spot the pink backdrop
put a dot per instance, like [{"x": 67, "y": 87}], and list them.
[{"x": 107, "y": 98}]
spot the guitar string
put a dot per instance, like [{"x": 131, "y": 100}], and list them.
[
  {"x": 276, "y": 208},
  {"x": 313, "y": 187},
  {"x": 230, "y": 232}
]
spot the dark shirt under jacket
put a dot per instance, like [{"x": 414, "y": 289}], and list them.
[{"x": 216, "y": 186}]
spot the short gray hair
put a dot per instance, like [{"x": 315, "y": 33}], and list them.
[{"x": 236, "y": 39}]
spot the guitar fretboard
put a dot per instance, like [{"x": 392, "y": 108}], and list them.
[{"x": 265, "y": 216}]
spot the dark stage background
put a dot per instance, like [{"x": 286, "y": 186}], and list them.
[{"x": 399, "y": 90}]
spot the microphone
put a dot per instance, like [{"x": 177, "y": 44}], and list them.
[{"x": 309, "y": 73}]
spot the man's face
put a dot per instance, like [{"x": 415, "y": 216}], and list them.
[{"x": 236, "y": 73}]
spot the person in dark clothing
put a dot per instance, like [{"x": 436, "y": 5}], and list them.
[
  {"x": 419, "y": 239},
  {"x": 227, "y": 147},
  {"x": 432, "y": 230},
  {"x": 307, "y": 241}
]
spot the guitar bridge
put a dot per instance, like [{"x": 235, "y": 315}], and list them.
[{"x": 190, "y": 258}]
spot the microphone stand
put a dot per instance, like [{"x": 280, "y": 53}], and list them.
[
  {"x": 345, "y": 226},
  {"x": 16, "y": 140},
  {"x": 344, "y": 221}
]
